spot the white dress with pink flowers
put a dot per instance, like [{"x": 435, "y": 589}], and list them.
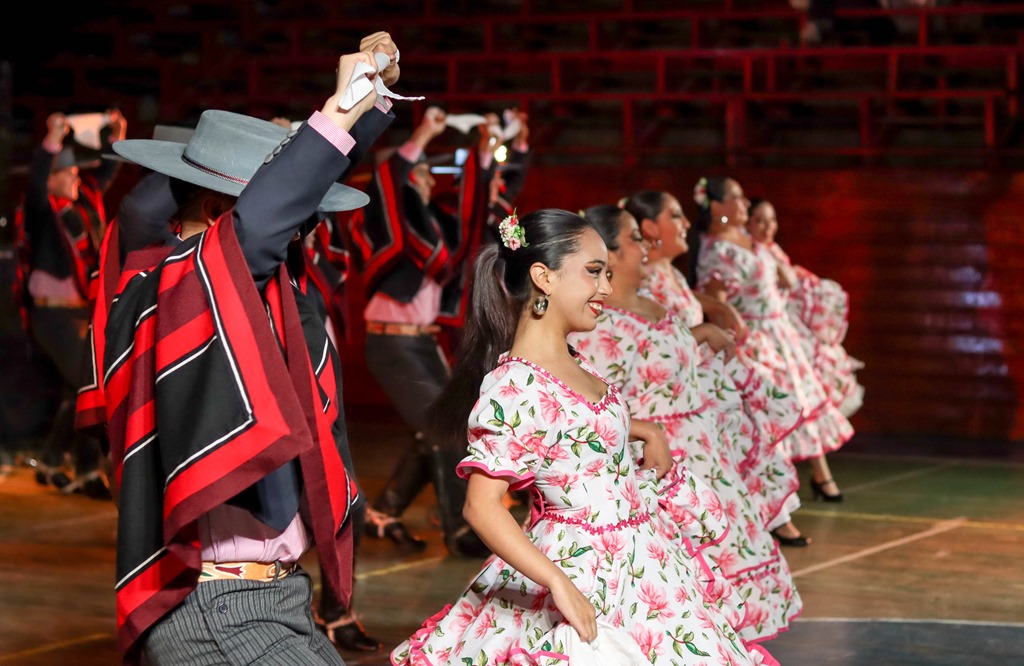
[
  {"x": 744, "y": 395},
  {"x": 819, "y": 309},
  {"x": 654, "y": 367},
  {"x": 751, "y": 285},
  {"x": 596, "y": 515}
]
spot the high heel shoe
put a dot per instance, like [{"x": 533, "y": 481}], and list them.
[
  {"x": 797, "y": 541},
  {"x": 818, "y": 488},
  {"x": 380, "y": 525}
]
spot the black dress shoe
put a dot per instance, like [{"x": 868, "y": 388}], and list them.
[
  {"x": 819, "y": 492},
  {"x": 797, "y": 541},
  {"x": 96, "y": 489},
  {"x": 348, "y": 634},
  {"x": 58, "y": 479},
  {"x": 465, "y": 543},
  {"x": 381, "y": 525}
]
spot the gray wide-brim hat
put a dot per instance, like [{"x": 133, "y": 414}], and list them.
[{"x": 223, "y": 154}]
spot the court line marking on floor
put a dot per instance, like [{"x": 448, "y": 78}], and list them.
[
  {"x": 404, "y": 566},
  {"x": 59, "y": 645},
  {"x": 893, "y": 518},
  {"x": 898, "y": 477},
  {"x": 1000, "y": 462},
  {"x": 918, "y": 620},
  {"x": 944, "y": 526}
]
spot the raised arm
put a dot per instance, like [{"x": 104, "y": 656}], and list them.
[{"x": 287, "y": 189}]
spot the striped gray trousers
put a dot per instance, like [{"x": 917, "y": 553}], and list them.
[{"x": 236, "y": 622}]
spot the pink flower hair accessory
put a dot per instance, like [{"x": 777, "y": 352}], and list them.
[
  {"x": 512, "y": 234},
  {"x": 700, "y": 193}
]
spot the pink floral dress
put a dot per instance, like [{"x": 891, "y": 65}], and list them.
[
  {"x": 819, "y": 310},
  {"x": 744, "y": 395},
  {"x": 653, "y": 366},
  {"x": 750, "y": 281},
  {"x": 595, "y": 515}
]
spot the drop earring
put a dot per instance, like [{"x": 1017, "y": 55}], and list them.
[{"x": 540, "y": 305}]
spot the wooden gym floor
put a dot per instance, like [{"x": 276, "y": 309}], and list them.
[{"x": 921, "y": 564}]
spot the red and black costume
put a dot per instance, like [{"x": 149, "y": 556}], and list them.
[{"x": 220, "y": 386}]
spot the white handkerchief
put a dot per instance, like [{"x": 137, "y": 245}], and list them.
[
  {"x": 464, "y": 122},
  {"x": 360, "y": 85},
  {"x": 612, "y": 647},
  {"x": 512, "y": 125},
  {"x": 87, "y": 127}
]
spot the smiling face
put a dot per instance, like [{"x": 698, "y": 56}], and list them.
[
  {"x": 734, "y": 205},
  {"x": 672, "y": 227},
  {"x": 763, "y": 224},
  {"x": 628, "y": 264},
  {"x": 577, "y": 290}
]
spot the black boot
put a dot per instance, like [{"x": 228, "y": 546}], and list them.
[
  {"x": 409, "y": 477},
  {"x": 342, "y": 627},
  {"x": 450, "y": 490}
]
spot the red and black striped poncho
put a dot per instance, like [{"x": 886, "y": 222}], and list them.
[{"x": 206, "y": 394}]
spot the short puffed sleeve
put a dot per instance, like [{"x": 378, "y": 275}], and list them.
[{"x": 507, "y": 431}]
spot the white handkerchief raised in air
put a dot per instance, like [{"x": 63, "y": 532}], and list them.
[
  {"x": 360, "y": 85},
  {"x": 87, "y": 127},
  {"x": 464, "y": 122},
  {"x": 512, "y": 125},
  {"x": 612, "y": 647}
]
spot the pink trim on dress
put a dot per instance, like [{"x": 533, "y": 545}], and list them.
[
  {"x": 539, "y": 653},
  {"x": 668, "y": 318},
  {"x": 635, "y": 521},
  {"x": 597, "y": 407},
  {"x": 518, "y": 482}
]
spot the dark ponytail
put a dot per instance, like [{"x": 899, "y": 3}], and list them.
[
  {"x": 502, "y": 291},
  {"x": 704, "y": 192},
  {"x": 645, "y": 205},
  {"x": 606, "y": 220}
]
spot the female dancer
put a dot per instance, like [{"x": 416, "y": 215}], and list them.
[
  {"x": 732, "y": 267},
  {"x": 652, "y": 357},
  {"x": 595, "y": 557},
  {"x": 664, "y": 225},
  {"x": 819, "y": 309}
]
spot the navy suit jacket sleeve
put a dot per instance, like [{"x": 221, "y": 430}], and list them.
[
  {"x": 284, "y": 193},
  {"x": 366, "y": 131}
]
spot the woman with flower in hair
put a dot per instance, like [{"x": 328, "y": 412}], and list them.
[
  {"x": 652, "y": 357},
  {"x": 819, "y": 310},
  {"x": 775, "y": 410},
  {"x": 597, "y": 563},
  {"x": 735, "y": 268}
]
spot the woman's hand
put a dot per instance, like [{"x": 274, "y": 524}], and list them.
[
  {"x": 490, "y": 519},
  {"x": 723, "y": 315},
  {"x": 576, "y": 608},
  {"x": 718, "y": 339},
  {"x": 657, "y": 454}
]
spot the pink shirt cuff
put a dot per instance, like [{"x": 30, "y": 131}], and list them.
[
  {"x": 384, "y": 104},
  {"x": 50, "y": 147},
  {"x": 410, "y": 151},
  {"x": 341, "y": 139}
]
